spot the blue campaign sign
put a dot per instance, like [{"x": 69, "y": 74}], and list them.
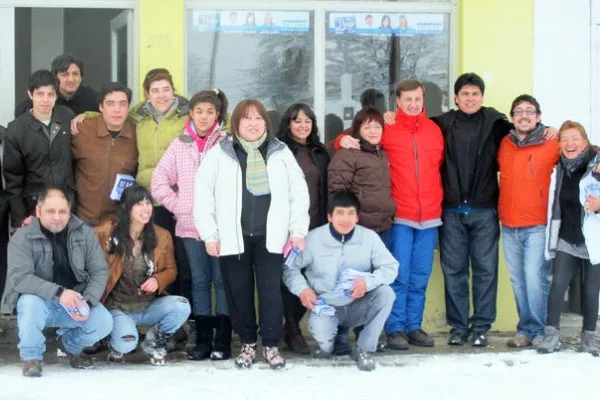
[
  {"x": 251, "y": 21},
  {"x": 398, "y": 24}
]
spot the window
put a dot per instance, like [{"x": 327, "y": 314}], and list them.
[{"x": 324, "y": 54}]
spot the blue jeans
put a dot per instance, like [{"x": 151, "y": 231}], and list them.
[
  {"x": 205, "y": 271},
  {"x": 34, "y": 314},
  {"x": 385, "y": 237},
  {"x": 530, "y": 276},
  {"x": 413, "y": 248},
  {"x": 168, "y": 312},
  {"x": 470, "y": 240}
]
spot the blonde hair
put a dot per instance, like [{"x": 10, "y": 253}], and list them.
[{"x": 568, "y": 124}]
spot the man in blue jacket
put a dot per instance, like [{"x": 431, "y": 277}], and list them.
[{"x": 348, "y": 268}]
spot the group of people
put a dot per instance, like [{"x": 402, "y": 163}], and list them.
[{"x": 238, "y": 206}]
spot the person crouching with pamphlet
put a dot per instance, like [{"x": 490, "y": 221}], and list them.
[
  {"x": 56, "y": 275},
  {"x": 348, "y": 268},
  {"x": 141, "y": 264}
]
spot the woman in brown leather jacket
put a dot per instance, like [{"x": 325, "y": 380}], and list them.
[{"x": 141, "y": 265}]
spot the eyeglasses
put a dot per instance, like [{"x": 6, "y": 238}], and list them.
[{"x": 519, "y": 111}]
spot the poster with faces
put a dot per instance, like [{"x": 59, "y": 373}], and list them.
[
  {"x": 400, "y": 24},
  {"x": 258, "y": 21}
]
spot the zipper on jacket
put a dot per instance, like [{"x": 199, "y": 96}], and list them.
[
  {"x": 239, "y": 218},
  {"x": 110, "y": 147},
  {"x": 531, "y": 169},
  {"x": 418, "y": 172}
]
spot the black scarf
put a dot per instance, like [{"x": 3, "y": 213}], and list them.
[{"x": 572, "y": 165}]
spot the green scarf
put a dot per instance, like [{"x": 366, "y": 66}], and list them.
[{"x": 257, "y": 180}]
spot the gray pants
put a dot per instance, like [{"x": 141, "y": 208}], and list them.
[{"x": 372, "y": 311}]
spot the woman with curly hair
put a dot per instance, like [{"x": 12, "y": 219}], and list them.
[{"x": 298, "y": 129}]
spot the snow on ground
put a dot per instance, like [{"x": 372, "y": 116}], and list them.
[{"x": 507, "y": 376}]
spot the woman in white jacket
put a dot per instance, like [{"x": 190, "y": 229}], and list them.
[
  {"x": 250, "y": 199},
  {"x": 573, "y": 227}
]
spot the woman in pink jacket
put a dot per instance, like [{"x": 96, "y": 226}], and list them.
[{"x": 173, "y": 186}]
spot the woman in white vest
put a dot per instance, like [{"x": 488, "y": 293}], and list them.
[
  {"x": 250, "y": 200},
  {"x": 573, "y": 226}
]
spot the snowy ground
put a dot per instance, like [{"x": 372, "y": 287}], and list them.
[{"x": 514, "y": 375}]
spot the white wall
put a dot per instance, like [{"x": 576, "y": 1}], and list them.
[
  {"x": 47, "y": 36},
  {"x": 7, "y": 64},
  {"x": 562, "y": 62}
]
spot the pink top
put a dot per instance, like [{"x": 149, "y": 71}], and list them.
[{"x": 174, "y": 176}]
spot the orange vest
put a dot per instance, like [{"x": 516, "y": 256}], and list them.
[{"x": 525, "y": 181}]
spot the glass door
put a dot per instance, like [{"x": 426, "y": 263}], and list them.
[{"x": 121, "y": 48}]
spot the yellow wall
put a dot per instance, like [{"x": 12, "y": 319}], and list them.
[
  {"x": 162, "y": 39},
  {"x": 495, "y": 40}
]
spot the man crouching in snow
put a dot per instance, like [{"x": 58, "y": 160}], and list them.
[
  {"x": 348, "y": 270},
  {"x": 56, "y": 275}
]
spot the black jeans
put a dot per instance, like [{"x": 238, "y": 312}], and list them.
[
  {"x": 183, "y": 284},
  {"x": 239, "y": 273},
  {"x": 470, "y": 239},
  {"x": 563, "y": 268}
]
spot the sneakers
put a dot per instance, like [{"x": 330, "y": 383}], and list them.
[
  {"x": 273, "y": 358},
  {"x": 115, "y": 356},
  {"x": 551, "y": 342},
  {"x": 320, "y": 354},
  {"x": 397, "y": 341},
  {"x": 479, "y": 339},
  {"x": 458, "y": 338},
  {"x": 588, "y": 343},
  {"x": 519, "y": 341},
  {"x": 32, "y": 368},
  {"x": 75, "y": 360},
  {"x": 364, "y": 359},
  {"x": 155, "y": 345},
  {"x": 537, "y": 340},
  {"x": 247, "y": 356},
  {"x": 420, "y": 338}
]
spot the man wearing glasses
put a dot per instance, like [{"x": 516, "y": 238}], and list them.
[{"x": 526, "y": 160}]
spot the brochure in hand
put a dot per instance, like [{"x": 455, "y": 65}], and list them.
[
  {"x": 80, "y": 310},
  {"x": 122, "y": 182}
]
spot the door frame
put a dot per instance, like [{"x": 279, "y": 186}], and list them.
[
  {"x": 124, "y": 20},
  {"x": 320, "y": 8}
]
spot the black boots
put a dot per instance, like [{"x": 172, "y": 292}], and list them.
[
  {"x": 204, "y": 338},
  {"x": 221, "y": 349},
  {"x": 292, "y": 335},
  {"x": 206, "y": 327}
]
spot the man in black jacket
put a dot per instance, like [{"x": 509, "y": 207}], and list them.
[
  {"x": 470, "y": 233},
  {"x": 68, "y": 70},
  {"x": 37, "y": 149}
]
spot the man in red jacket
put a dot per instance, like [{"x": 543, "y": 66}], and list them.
[{"x": 415, "y": 148}]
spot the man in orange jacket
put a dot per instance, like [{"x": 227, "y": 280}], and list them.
[{"x": 526, "y": 161}]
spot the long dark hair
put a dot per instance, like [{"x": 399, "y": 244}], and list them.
[
  {"x": 120, "y": 241},
  {"x": 285, "y": 132}
]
